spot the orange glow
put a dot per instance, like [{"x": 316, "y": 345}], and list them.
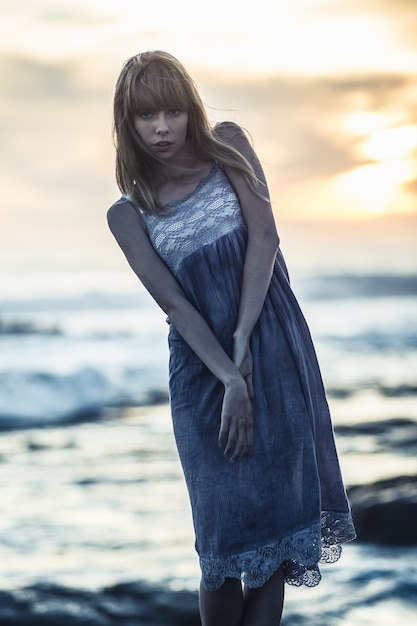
[
  {"x": 375, "y": 188},
  {"x": 378, "y": 187},
  {"x": 391, "y": 143}
]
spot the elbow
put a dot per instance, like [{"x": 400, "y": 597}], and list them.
[
  {"x": 262, "y": 232},
  {"x": 174, "y": 307},
  {"x": 272, "y": 240}
]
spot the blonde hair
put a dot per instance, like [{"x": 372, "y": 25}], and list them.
[{"x": 157, "y": 81}]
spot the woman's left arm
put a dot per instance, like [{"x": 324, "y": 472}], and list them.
[{"x": 263, "y": 242}]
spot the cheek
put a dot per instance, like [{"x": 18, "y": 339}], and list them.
[
  {"x": 185, "y": 128},
  {"x": 137, "y": 128},
  {"x": 140, "y": 128}
]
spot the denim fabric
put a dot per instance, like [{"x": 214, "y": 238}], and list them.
[{"x": 284, "y": 503}]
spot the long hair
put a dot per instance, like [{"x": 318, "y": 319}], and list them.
[{"x": 157, "y": 81}]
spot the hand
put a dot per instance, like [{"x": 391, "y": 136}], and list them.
[
  {"x": 242, "y": 357},
  {"x": 236, "y": 422}
]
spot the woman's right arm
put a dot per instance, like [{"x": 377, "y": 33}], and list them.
[{"x": 236, "y": 419}]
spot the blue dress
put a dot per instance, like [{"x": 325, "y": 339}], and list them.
[{"x": 285, "y": 502}]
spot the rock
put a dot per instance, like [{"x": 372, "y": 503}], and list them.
[
  {"x": 386, "y": 511},
  {"x": 130, "y": 604}
]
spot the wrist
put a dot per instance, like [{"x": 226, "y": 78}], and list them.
[
  {"x": 241, "y": 337},
  {"x": 234, "y": 379}
]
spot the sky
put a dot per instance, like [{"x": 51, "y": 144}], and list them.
[{"x": 326, "y": 88}]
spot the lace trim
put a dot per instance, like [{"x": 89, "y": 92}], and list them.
[
  {"x": 300, "y": 553},
  {"x": 172, "y": 205}
]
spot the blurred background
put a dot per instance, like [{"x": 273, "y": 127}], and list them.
[{"x": 92, "y": 492}]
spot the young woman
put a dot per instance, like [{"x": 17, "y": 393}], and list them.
[{"x": 251, "y": 421}]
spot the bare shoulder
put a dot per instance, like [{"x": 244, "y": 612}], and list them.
[
  {"x": 123, "y": 215},
  {"x": 120, "y": 210},
  {"x": 230, "y": 132},
  {"x": 239, "y": 139}
]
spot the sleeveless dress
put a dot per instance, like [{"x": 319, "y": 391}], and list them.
[{"x": 285, "y": 502}]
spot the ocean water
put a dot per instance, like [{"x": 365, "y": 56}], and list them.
[{"x": 92, "y": 490}]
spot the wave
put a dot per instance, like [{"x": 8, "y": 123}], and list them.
[
  {"x": 70, "y": 358},
  {"x": 43, "y": 398},
  {"x": 26, "y": 327},
  {"x": 32, "y": 399},
  {"x": 401, "y": 390},
  {"x": 345, "y": 286},
  {"x": 403, "y": 340},
  {"x": 90, "y": 300},
  {"x": 395, "y": 434},
  {"x": 310, "y": 287}
]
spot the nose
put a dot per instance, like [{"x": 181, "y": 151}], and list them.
[{"x": 161, "y": 124}]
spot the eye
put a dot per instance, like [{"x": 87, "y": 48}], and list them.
[
  {"x": 174, "y": 112},
  {"x": 144, "y": 115}
]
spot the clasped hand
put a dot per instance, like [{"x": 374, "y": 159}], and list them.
[{"x": 236, "y": 431}]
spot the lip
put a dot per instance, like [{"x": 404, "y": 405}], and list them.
[{"x": 162, "y": 146}]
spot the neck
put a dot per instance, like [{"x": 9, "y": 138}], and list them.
[{"x": 183, "y": 167}]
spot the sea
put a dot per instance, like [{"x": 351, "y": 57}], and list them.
[{"x": 92, "y": 492}]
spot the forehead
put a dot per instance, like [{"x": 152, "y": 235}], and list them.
[{"x": 158, "y": 90}]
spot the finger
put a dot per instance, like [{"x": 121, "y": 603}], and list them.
[
  {"x": 247, "y": 441},
  {"x": 240, "y": 454},
  {"x": 240, "y": 445},
  {"x": 223, "y": 432},
  {"x": 232, "y": 443}
]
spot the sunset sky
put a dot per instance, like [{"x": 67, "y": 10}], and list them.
[{"x": 327, "y": 89}]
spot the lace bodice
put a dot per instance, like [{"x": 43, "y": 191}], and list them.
[{"x": 207, "y": 213}]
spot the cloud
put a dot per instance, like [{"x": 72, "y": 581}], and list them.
[
  {"x": 300, "y": 125},
  {"x": 57, "y": 153},
  {"x": 411, "y": 187},
  {"x": 400, "y": 10},
  {"x": 398, "y": 18},
  {"x": 23, "y": 77}
]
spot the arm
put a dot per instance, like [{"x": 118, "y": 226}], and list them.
[
  {"x": 236, "y": 418},
  {"x": 260, "y": 256}
]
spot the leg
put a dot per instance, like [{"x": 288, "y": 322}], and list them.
[
  {"x": 263, "y": 606},
  {"x": 223, "y": 607}
]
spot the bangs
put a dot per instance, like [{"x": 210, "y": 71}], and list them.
[{"x": 158, "y": 91}]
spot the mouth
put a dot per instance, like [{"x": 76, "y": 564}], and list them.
[{"x": 162, "y": 146}]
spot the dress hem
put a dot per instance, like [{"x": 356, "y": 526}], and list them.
[{"x": 300, "y": 554}]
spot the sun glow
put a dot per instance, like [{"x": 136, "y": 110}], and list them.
[
  {"x": 392, "y": 143},
  {"x": 377, "y": 186},
  {"x": 364, "y": 123}
]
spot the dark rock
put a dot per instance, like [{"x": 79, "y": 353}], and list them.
[
  {"x": 130, "y": 604},
  {"x": 386, "y": 511},
  {"x": 399, "y": 433}
]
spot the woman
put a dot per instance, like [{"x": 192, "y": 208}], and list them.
[{"x": 250, "y": 416}]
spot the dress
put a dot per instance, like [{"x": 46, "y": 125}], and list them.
[{"x": 286, "y": 501}]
